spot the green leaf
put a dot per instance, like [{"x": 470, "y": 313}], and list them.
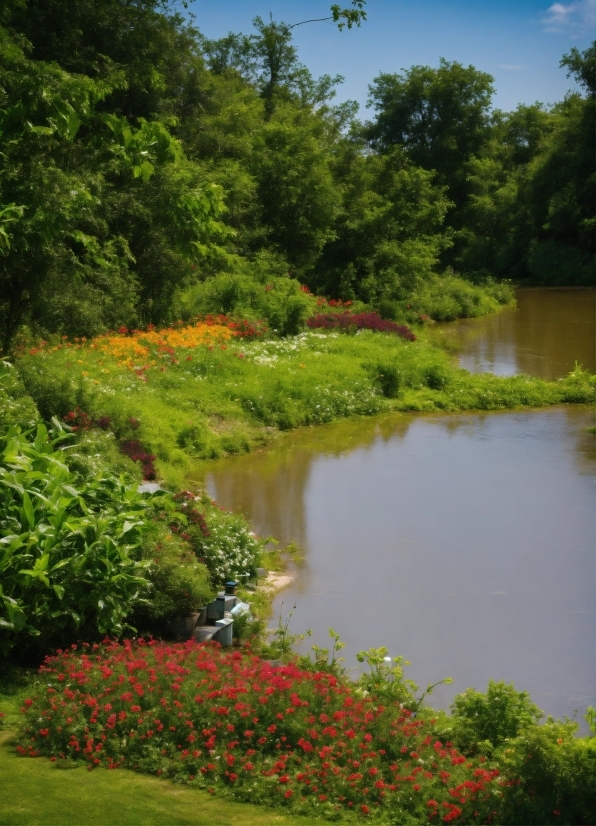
[{"x": 27, "y": 509}]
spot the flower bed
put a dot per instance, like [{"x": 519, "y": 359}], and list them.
[
  {"x": 129, "y": 345},
  {"x": 347, "y": 320},
  {"x": 231, "y": 721}
]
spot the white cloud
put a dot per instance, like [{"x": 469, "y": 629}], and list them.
[
  {"x": 577, "y": 16},
  {"x": 512, "y": 68}
]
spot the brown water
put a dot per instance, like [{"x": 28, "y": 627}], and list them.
[
  {"x": 465, "y": 543},
  {"x": 549, "y": 332}
]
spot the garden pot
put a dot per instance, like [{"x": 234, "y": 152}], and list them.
[{"x": 182, "y": 627}]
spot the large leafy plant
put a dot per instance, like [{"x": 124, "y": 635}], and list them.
[{"x": 67, "y": 547}]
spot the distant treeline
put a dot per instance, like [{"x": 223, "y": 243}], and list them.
[{"x": 138, "y": 157}]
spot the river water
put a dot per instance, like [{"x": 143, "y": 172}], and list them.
[{"x": 465, "y": 543}]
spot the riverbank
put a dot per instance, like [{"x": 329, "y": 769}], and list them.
[{"x": 196, "y": 401}]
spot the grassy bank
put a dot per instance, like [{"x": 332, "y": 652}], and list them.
[{"x": 198, "y": 398}]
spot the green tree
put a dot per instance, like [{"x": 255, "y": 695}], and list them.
[
  {"x": 389, "y": 233},
  {"x": 439, "y": 116},
  {"x": 97, "y": 214}
]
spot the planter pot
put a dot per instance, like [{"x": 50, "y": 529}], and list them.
[{"x": 182, "y": 627}]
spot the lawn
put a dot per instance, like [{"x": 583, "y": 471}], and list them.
[{"x": 35, "y": 793}]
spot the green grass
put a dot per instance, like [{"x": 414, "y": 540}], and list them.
[
  {"x": 213, "y": 402},
  {"x": 33, "y": 792}
]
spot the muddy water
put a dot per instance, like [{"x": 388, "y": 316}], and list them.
[
  {"x": 465, "y": 543},
  {"x": 548, "y": 332}
]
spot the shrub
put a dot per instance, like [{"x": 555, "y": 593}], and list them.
[
  {"x": 485, "y": 721},
  {"x": 16, "y": 405},
  {"x": 280, "y": 300},
  {"x": 67, "y": 559},
  {"x": 550, "y": 775},
  {"x": 221, "y": 540},
  {"x": 447, "y": 297},
  {"x": 347, "y": 322},
  {"x": 179, "y": 583}
]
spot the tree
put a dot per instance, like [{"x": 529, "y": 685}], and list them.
[
  {"x": 439, "y": 116},
  {"x": 583, "y": 66},
  {"x": 95, "y": 214},
  {"x": 268, "y": 59},
  {"x": 389, "y": 234}
]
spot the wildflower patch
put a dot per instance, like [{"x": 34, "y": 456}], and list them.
[{"x": 234, "y": 723}]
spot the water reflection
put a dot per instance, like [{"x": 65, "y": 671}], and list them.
[
  {"x": 463, "y": 542},
  {"x": 549, "y": 331}
]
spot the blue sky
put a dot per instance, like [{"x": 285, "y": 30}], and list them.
[{"x": 519, "y": 43}]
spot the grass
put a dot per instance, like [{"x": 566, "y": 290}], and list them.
[
  {"x": 35, "y": 793},
  {"x": 201, "y": 403}
]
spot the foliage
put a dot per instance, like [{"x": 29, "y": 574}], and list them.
[
  {"x": 221, "y": 540},
  {"x": 257, "y": 294},
  {"x": 440, "y": 117},
  {"x": 67, "y": 547},
  {"x": 16, "y": 406},
  {"x": 141, "y": 159},
  {"x": 482, "y": 722},
  {"x": 93, "y": 201},
  {"x": 389, "y": 234},
  {"x": 521, "y": 182},
  {"x": 300, "y": 735},
  {"x": 447, "y": 297},
  {"x": 180, "y": 584}
]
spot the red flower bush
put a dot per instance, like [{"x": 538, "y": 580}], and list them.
[
  {"x": 230, "y": 720},
  {"x": 135, "y": 451},
  {"x": 360, "y": 321}
]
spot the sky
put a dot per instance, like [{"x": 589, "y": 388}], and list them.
[{"x": 518, "y": 42}]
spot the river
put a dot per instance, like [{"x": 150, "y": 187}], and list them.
[{"x": 465, "y": 543}]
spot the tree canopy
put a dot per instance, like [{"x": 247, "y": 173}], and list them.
[{"x": 140, "y": 158}]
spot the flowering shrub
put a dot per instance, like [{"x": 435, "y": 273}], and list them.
[
  {"x": 221, "y": 540},
  {"x": 359, "y": 321},
  {"x": 137, "y": 453},
  {"x": 231, "y": 721}
]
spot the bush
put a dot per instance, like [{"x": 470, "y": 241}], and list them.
[
  {"x": 280, "y": 300},
  {"x": 54, "y": 390},
  {"x": 16, "y": 405},
  {"x": 286, "y": 736},
  {"x": 447, "y": 297},
  {"x": 550, "y": 775},
  {"x": 483, "y": 721},
  {"x": 351, "y": 322},
  {"x": 221, "y": 540},
  {"x": 67, "y": 561},
  {"x": 179, "y": 583}
]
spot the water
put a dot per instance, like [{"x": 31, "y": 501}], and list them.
[
  {"x": 549, "y": 332},
  {"x": 465, "y": 543}
]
